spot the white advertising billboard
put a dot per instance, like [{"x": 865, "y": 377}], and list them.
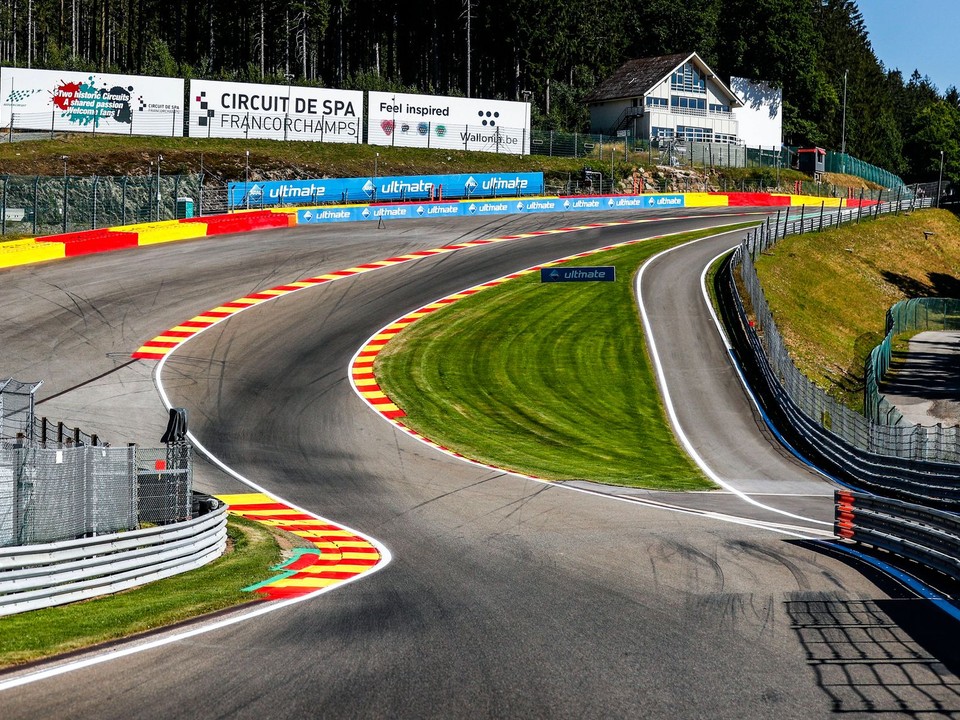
[
  {"x": 760, "y": 120},
  {"x": 457, "y": 123},
  {"x": 274, "y": 112},
  {"x": 80, "y": 101}
]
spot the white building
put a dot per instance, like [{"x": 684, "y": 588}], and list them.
[{"x": 671, "y": 96}]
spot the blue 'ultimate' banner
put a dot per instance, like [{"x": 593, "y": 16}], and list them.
[
  {"x": 383, "y": 189},
  {"x": 479, "y": 208}
]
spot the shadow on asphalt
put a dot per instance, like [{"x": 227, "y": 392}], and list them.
[{"x": 894, "y": 655}]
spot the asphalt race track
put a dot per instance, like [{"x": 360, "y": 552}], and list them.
[{"x": 505, "y": 597}]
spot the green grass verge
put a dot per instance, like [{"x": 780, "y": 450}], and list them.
[
  {"x": 829, "y": 292},
  {"x": 552, "y": 380},
  {"x": 52, "y": 631}
]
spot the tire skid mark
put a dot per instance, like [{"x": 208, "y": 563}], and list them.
[{"x": 161, "y": 345}]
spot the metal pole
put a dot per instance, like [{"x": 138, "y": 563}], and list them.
[
  {"x": 940, "y": 180},
  {"x": 843, "y": 131},
  {"x": 64, "y": 158},
  {"x": 246, "y": 181}
]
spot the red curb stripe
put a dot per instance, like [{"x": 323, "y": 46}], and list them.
[
  {"x": 262, "y": 506},
  {"x": 148, "y": 356},
  {"x": 196, "y": 323},
  {"x": 278, "y": 518}
]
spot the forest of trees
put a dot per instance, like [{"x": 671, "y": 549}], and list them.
[{"x": 552, "y": 53}]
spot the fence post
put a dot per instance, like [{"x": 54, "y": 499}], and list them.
[
  {"x": 173, "y": 128},
  {"x": 3, "y": 218},
  {"x": 123, "y": 201},
  {"x": 53, "y": 120},
  {"x": 65, "y": 184},
  {"x": 93, "y": 207},
  {"x": 36, "y": 201},
  {"x": 822, "y": 204},
  {"x": 551, "y": 143}
]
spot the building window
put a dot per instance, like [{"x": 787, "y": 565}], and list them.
[
  {"x": 688, "y": 79},
  {"x": 656, "y": 102},
  {"x": 661, "y": 132},
  {"x": 695, "y": 134},
  {"x": 715, "y": 108},
  {"x": 688, "y": 103}
]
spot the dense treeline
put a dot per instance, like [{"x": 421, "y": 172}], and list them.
[{"x": 552, "y": 53}]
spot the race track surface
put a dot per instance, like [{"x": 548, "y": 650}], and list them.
[{"x": 505, "y": 597}]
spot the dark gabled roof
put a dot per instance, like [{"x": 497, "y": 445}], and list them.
[{"x": 636, "y": 77}]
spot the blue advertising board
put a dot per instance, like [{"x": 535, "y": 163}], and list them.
[
  {"x": 380, "y": 189},
  {"x": 479, "y": 208},
  {"x": 599, "y": 273}
]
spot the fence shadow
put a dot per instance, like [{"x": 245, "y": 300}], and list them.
[
  {"x": 867, "y": 657},
  {"x": 895, "y": 655}
]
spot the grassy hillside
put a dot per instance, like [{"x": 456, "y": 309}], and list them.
[{"x": 829, "y": 291}]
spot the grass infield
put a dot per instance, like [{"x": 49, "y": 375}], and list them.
[
  {"x": 52, "y": 631},
  {"x": 551, "y": 380}
]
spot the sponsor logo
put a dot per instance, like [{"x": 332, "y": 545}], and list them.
[
  {"x": 16, "y": 97},
  {"x": 85, "y": 104},
  {"x": 488, "y": 119},
  {"x": 387, "y": 127},
  {"x": 368, "y": 188},
  {"x": 470, "y": 185}
]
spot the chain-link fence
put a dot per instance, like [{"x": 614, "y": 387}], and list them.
[
  {"x": 156, "y": 123},
  {"x": 914, "y": 315},
  {"x": 909, "y": 442},
  {"x": 60, "y": 484},
  {"x": 675, "y": 153},
  {"x": 849, "y": 165},
  {"x": 48, "y": 495},
  {"x": 39, "y": 205}
]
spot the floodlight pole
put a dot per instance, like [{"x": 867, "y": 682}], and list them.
[{"x": 940, "y": 180}]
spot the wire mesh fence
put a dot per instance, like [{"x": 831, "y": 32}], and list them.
[
  {"x": 907, "y": 316},
  {"x": 41, "y": 205},
  {"x": 909, "y": 442},
  {"x": 156, "y": 123},
  {"x": 848, "y": 165},
  {"x": 58, "y": 483}
]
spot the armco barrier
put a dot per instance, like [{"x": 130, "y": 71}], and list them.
[
  {"x": 926, "y": 536},
  {"x": 38, "y": 576}
]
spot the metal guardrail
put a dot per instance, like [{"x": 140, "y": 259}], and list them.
[
  {"x": 38, "y": 576},
  {"x": 911, "y": 515},
  {"x": 925, "y": 535}
]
